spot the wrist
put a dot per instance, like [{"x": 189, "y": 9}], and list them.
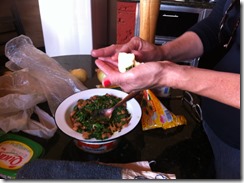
[
  {"x": 174, "y": 75},
  {"x": 165, "y": 52}
]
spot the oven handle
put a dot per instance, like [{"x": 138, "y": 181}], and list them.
[{"x": 171, "y": 16}]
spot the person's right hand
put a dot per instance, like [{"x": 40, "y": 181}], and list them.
[{"x": 144, "y": 51}]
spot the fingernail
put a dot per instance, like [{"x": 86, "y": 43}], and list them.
[{"x": 106, "y": 83}]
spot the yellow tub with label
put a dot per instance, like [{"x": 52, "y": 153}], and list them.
[{"x": 15, "y": 152}]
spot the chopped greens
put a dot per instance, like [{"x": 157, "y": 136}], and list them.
[{"x": 99, "y": 128}]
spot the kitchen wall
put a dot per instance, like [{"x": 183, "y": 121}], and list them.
[
  {"x": 128, "y": 15},
  {"x": 126, "y": 18},
  {"x": 30, "y": 16},
  {"x": 28, "y": 11}
]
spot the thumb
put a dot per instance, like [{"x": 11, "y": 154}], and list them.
[
  {"x": 112, "y": 81},
  {"x": 106, "y": 82}
]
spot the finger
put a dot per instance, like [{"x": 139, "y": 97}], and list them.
[
  {"x": 138, "y": 56},
  {"x": 105, "y": 52},
  {"x": 109, "y": 60},
  {"x": 106, "y": 67},
  {"x": 110, "y": 71}
]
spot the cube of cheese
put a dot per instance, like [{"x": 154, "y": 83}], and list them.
[{"x": 126, "y": 61}]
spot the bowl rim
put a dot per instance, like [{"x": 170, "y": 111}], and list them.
[{"x": 66, "y": 106}]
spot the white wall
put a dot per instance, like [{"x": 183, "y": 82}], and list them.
[{"x": 67, "y": 26}]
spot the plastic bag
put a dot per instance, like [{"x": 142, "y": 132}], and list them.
[
  {"x": 19, "y": 96},
  {"x": 140, "y": 170},
  {"x": 56, "y": 82},
  {"x": 36, "y": 78}
]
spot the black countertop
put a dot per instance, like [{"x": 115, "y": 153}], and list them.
[{"x": 183, "y": 150}]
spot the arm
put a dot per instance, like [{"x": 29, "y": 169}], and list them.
[
  {"x": 223, "y": 87},
  {"x": 178, "y": 50},
  {"x": 200, "y": 38},
  {"x": 220, "y": 86}
]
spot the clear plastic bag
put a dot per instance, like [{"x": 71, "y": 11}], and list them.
[
  {"x": 19, "y": 97},
  {"x": 55, "y": 82},
  {"x": 36, "y": 78}
]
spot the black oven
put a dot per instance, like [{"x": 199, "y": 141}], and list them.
[{"x": 175, "y": 20}]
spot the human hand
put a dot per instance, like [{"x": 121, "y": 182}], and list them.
[
  {"x": 143, "y": 51},
  {"x": 144, "y": 76}
]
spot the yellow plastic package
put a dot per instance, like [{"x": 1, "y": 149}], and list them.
[{"x": 156, "y": 115}]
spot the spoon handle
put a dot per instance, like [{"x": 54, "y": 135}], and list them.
[{"x": 128, "y": 97}]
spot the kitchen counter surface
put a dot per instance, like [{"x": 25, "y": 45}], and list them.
[{"x": 183, "y": 150}]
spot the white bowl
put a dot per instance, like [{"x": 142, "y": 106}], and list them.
[{"x": 62, "y": 114}]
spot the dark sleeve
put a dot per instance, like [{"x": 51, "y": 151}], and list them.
[
  {"x": 208, "y": 28},
  {"x": 61, "y": 169}
]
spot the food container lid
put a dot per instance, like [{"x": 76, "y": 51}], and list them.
[{"x": 15, "y": 152}]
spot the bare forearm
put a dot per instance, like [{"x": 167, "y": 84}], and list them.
[
  {"x": 220, "y": 86},
  {"x": 178, "y": 50}
]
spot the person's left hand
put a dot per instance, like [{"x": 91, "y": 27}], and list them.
[{"x": 144, "y": 76}]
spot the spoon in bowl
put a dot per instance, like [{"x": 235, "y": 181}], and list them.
[{"x": 107, "y": 113}]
